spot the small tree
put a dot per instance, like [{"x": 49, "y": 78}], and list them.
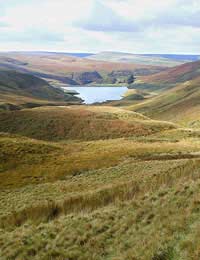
[{"x": 130, "y": 79}]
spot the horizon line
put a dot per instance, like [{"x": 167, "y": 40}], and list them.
[{"x": 85, "y": 52}]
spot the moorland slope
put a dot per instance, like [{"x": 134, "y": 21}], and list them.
[
  {"x": 177, "y": 97},
  {"x": 60, "y": 68},
  {"x": 20, "y": 89},
  {"x": 78, "y": 122},
  {"x": 99, "y": 199}
]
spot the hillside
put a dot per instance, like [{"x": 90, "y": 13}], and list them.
[
  {"x": 178, "y": 104},
  {"x": 178, "y": 95},
  {"x": 81, "y": 123},
  {"x": 60, "y": 68},
  {"x": 23, "y": 89},
  {"x": 147, "y": 59},
  {"x": 175, "y": 75},
  {"x": 96, "y": 199}
]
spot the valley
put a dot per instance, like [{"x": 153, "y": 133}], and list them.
[
  {"x": 72, "y": 70},
  {"x": 117, "y": 180}
]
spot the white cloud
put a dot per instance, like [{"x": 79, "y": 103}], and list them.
[
  {"x": 138, "y": 26},
  {"x": 104, "y": 18}
]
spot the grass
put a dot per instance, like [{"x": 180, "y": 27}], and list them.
[
  {"x": 178, "y": 74},
  {"x": 179, "y": 104},
  {"x": 159, "y": 212},
  {"x": 80, "y": 123},
  {"x": 112, "y": 193},
  {"x": 98, "y": 188},
  {"x": 37, "y": 161},
  {"x": 20, "y": 90},
  {"x": 177, "y": 95}
]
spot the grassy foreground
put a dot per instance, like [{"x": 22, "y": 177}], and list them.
[{"x": 124, "y": 195}]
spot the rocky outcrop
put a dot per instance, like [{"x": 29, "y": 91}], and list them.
[{"x": 87, "y": 77}]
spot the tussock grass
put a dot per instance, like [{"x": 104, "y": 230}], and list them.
[
  {"x": 103, "y": 195},
  {"x": 25, "y": 161},
  {"x": 160, "y": 221},
  {"x": 135, "y": 197}
]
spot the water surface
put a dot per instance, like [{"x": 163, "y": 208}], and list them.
[{"x": 98, "y": 94}]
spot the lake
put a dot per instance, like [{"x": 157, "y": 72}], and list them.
[{"x": 98, "y": 94}]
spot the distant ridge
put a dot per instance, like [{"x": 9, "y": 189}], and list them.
[
  {"x": 60, "y": 68},
  {"x": 192, "y": 57},
  {"x": 165, "y": 60},
  {"x": 73, "y": 54},
  {"x": 180, "y": 57}
]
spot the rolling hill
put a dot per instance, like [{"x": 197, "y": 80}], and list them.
[
  {"x": 60, "y": 68},
  {"x": 147, "y": 59},
  {"x": 20, "y": 89},
  {"x": 178, "y": 74},
  {"x": 78, "y": 122},
  {"x": 179, "y": 99}
]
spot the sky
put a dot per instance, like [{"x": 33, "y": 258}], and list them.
[{"x": 135, "y": 26}]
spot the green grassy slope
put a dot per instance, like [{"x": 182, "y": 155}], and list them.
[
  {"x": 18, "y": 88},
  {"x": 167, "y": 79},
  {"x": 180, "y": 104},
  {"x": 27, "y": 85},
  {"x": 179, "y": 99},
  {"x": 178, "y": 74}
]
